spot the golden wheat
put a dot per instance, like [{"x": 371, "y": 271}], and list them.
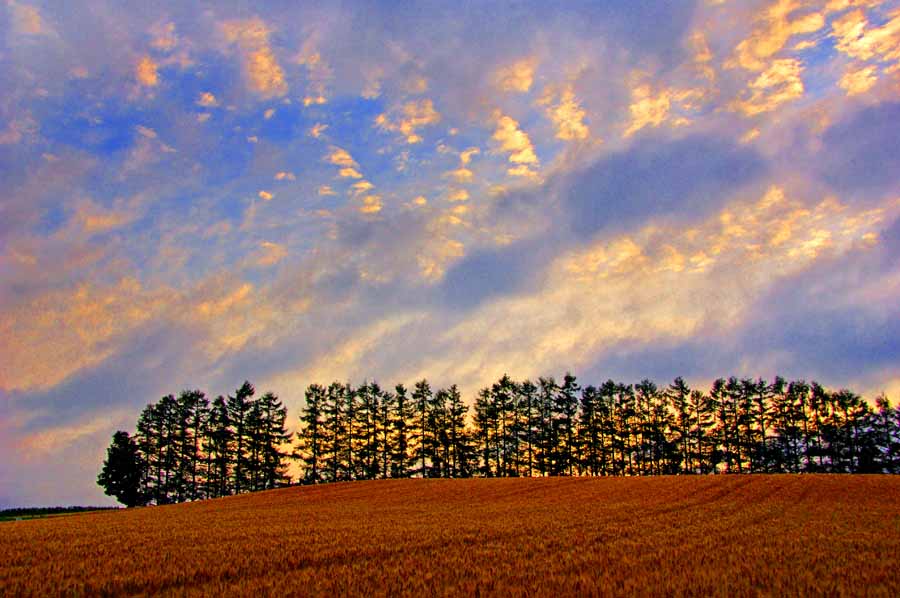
[{"x": 718, "y": 535}]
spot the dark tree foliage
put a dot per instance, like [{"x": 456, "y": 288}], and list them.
[
  {"x": 189, "y": 449},
  {"x": 616, "y": 429},
  {"x": 186, "y": 449},
  {"x": 123, "y": 471}
]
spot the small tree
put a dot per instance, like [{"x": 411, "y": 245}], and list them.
[{"x": 123, "y": 471}]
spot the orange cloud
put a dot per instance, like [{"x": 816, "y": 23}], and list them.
[
  {"x": 653, "y": 108},
  {"x": 567, "y": 115},
  {"x": 270, "y": 254},
  {"x": 413, "y": 115},
  {"x": 371, "y": 204},
  {"x": 340, "y": 157},
  {"x": 855, "y": 37},
  {"x": 26, "y": 20},
  {"x": 261, "y": 69},
  {"x": 516, "y": 77},
  {"x": 857, "y": 81},
  {"x": 513, "y": 140},
  {"x": 775, "y": 25},
  {"x": 164, "y": 37},
  {"x": 207, "y": 100},
  {"x": 146, "y": 72},
  {"x": 777, "y": 85}
]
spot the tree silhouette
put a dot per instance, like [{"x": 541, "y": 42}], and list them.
[
  {"x": 185, "y": 448},
  {"x": 122, "y": 475}
]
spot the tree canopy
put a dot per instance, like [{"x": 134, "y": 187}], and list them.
[{"x": 186, "y": 448}]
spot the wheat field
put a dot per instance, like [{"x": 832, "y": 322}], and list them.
[{"x": 720, "y": 535}]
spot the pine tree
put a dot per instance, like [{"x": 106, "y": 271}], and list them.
[
  {"x": 274, "y": 438},
  {"x": 460, "y": 448},
  {"x": 218, "y": 447},
  {"x": 485, "y": 423},
  {"x": 239, "y": 407},
  {"x": 401, "y": 461},
  {"x": 421, "y": 397},
  {"x": 310, "y": 434},
  {"x": 529, "y": 409},
  {"x": 678, "y": 394}
]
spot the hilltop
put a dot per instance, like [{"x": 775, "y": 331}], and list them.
[{"x": 725, "y": 535}]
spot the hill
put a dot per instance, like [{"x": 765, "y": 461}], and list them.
[{"x": 720, "y": 535}]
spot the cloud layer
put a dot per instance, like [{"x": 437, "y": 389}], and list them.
[{"x": 295, "y": 194}]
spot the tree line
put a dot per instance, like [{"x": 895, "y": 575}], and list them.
[{"x": 185, "y": 448}]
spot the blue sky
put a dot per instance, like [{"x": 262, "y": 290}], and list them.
[{"x": 198, "y": 194}]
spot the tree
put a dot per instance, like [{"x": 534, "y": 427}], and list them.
[
  {"x": 421, "y": 399},
  {"x": 218, "y": 449},
  {"x": 457, "y": 436},
  {"x": 310, "y": 435},
  {"x": 273, "y": 437},
  {"x": 123, "y": 471},
  {"x": 239, "y": 407},
  {"x": 678, "y": 394},
  {"x": 401, "y": 461}
]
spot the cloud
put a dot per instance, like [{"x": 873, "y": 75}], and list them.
[
  {"x": 457, "y": 195},
  {"x": 265, "y": 195},
  {"x": 516, "y": 77},
  {"x": 26, "y": 19},
  {"x": 854, "y": 37},
  {"x": 862, "y": 152},
  {"x": 522, "y": 170},
  {"x": 145, "y": 131},
  {"x": 567, "y": 116},
  {"x": 341, "y": 157},
  {"x": 361, "y": 187},
  {"x": 319, "y": 74},
  {"x": 460, "y": 175},
  {"x": 680, "y": 178},
  {"x": 163, "y": 36},
  {"x": 371, "y": 204},
  {"x": 207, "y": 100},
  {"x": 93, "y": 219},
  {"x": 129, "y": 269},
  {"x": 703, "y": 57},
  {"x": 513, "y": 140},
  {"x": 51, "y": 337},
  {"x": 651, "y": 108},
  {"x": 261, "y": 69},
  {"x": 662, "y": 285},
  {"x": 858, "y": 81},
  {"x": 146, "y": 72},
  {"x": 777, "y": 85},
  {"x": 270, "y": 253},
  {"x": 774, "y": 27},
  {"x": 410, "y": 117},
  {"x": 465, "y": 156}
]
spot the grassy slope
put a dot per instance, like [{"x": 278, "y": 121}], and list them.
[{"x": 721, "y": 535}]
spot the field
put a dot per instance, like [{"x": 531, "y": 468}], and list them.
[{"x": 720, "y": 535}]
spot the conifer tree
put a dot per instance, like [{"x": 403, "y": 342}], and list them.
[
  {"x": 310, "y": 434},
  {"x": 239, "y": 408}
]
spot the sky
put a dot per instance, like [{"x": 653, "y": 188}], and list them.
[{"x": 195, "y": 194}]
